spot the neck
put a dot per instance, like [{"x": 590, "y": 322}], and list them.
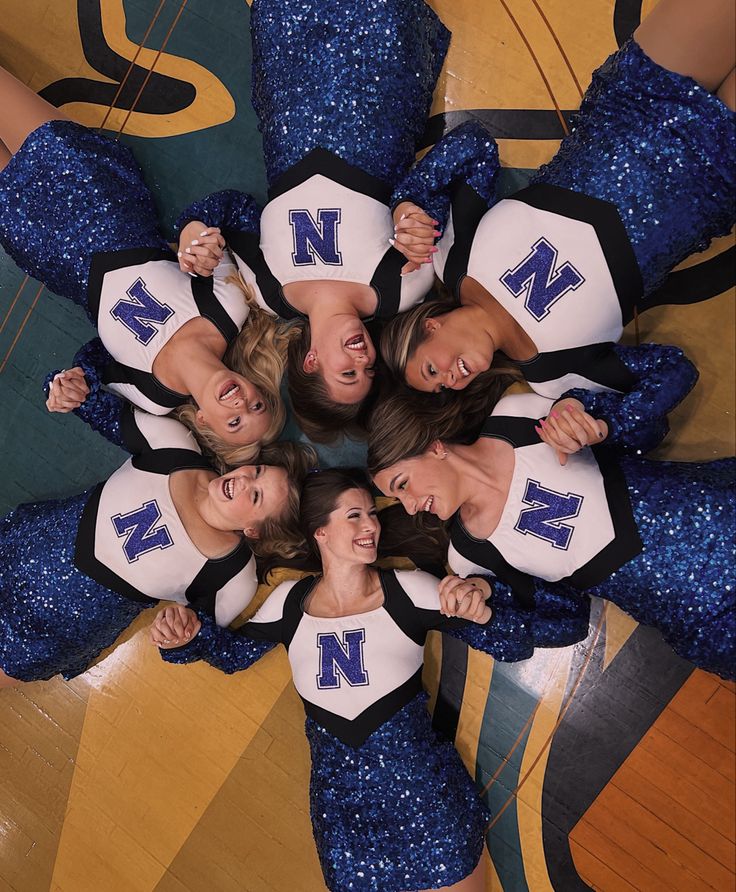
[
  {"x": 477, "y": 473},
  {"x": 203, "y": 505},
  {"x": 345, "y": 583},
  {"x": 485, "y": 313},
  {"x": 200, "y": 364}
]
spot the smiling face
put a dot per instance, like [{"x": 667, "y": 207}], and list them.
[
  {"x": 352, "y": 532},
  {"x": 424, "y": 483},
  {"x": 450, "y": 357},
  {"x": 246, "y": 497},
  {"x": 234, "y": 409},
  {"x": 345, "y": 357}
]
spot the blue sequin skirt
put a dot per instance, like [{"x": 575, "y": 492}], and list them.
[
  {"x": 53, "y": 618},
  {"x": 69, "y": 193},
  {"x": 684, "y": 582},
  {"x": 400, "y": 812},
  {"x": 662, "y": 149},
  {"x": 355, "y": 78}
]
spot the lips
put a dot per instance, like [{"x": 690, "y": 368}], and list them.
[
  {"x": 357, "y": 342},
  {"x": 368, "y": 542},
  {"x": 228, "y": 488},
  {"x": 228, "y": 391}
]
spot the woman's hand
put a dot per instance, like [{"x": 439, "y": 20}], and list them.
[
  {"x": 67, "y": 390},
  {"x": 465, "y": 598},
  {"x": 414, "y": 235},
  {"x": 568, "y": 428},
  {"x": 174, "y": 626},
  {"x": 200, "y": 248}
]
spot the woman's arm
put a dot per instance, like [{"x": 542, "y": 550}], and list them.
[
  {"x": 80, "y": 390},
  {"x": 637, "y": 420},
  {"x": 468, "y": 154},
  {"x": 185, "y": 637}
]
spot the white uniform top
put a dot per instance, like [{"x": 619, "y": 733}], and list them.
[
  {"x": 572, "y": 522},
  {"x": 561, "y": 265},
  {"x": 354, "y": 672},
  {"x": 131, "y": 538},
  {"x": 327, "y": 220},
  {"x": 141, "y": 298}
]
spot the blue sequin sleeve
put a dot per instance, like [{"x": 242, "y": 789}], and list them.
[
  {"x": 468, "y": 154},
  {"x": 102, "y": 409},
  {"x": 228, "y": 209},
  {"x": 229, "y": 650},
  {"x": 637, "y": 420}
]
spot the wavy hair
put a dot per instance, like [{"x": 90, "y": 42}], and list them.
[{"x": 258, "y": 353}]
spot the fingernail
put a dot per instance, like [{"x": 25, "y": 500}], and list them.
[
  {"x": 201, "y": 234},
  {"x": 568, "y": 408},
  {"x": 542, "y": 422},
  {"x": 428, "y": 260},
  {"x": 538, "y": 429},
  {"x": 436, "y": 233},
  {"x": 401, "y": 217},
  {"x": 434, "y": 250},
  {"x": 187, "y": 250},
  {"x": 195, "y": 241},
  {"x": 178, "y": 253},
  {"x": 554, "y": 415},
  {"x": 392, "y": 242},
  {"x": 435, "y": 222}
]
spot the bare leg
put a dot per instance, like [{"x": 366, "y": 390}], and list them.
[
  {"x": 7, "y": 682},
  {"x": 5, "y": 155},
  {"x": 23, "y": 111},
  {"x": 473, "y": 883},
  {"x": 696, "y": 39},
  {"x": 727, "y": 91}
]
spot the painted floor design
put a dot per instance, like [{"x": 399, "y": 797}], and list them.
[{"x": 609, "y": 765}]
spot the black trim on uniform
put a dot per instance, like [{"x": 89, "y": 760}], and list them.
[
  {"x": 117, "y": 373},
  {"x": 596, "y": 362},
  {"x": 209, "y": 307},
  {"x": 484, "y": 554},
  {"x": 468, "y": 209},
  {"x": 131, "y": 434},
  {"x": 107, "y": 261},
  {"x": 247, "y": 246},
  {"x": 216, "y": 573},
  {"x": 515, "y": 430},
  {"x": 400, "y": 607},
  {"x": 294, "y": 608},
  {"x": 321, "y": 161},
  {"x": 354, "y": 732},
  {"x": 85, "y": 560},
  {"x": 166, "y": 461},
  {"x": 626, "y": 543},
  {"x": 604, "y": 217},
  {"x": 386, "y": 282}
]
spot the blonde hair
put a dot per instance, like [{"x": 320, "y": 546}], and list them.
[{"x": 258, "y": 353}]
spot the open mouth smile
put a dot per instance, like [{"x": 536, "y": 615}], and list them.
[
  {"x": 357, "y": 342},
  {"x": 230, "y": 390},
  {"x": 463, "y": 369},
  {"x": 365, "y": 543},
  {"x": 228, "y": 489},
  {"x": 427, "y": 506}
]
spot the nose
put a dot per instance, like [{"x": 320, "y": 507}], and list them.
[
  {"x": 409, "y": 503},
  {"x": 361, "y": 358},
  {"x": 449, "y": 378}
]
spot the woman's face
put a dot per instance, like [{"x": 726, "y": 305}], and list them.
[
  {"x": 423, "y": 483},
  {"x": 450, "y": 357},
  {"x": 352, "y": 532},
  {"x": 234, "y": 409},
  {"x": 246, "y": 497},
  {"x": 346, "y": 359}
]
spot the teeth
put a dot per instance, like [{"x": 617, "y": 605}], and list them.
[
  {"x": 231, "y": 392},
  {"x": 228, "y": 488},
  {"x": 366, "y": 543},
  {"x": 461, "y": 365},
  {"x": 428, "y": 504},
  {"x": 357, "y": 345}
]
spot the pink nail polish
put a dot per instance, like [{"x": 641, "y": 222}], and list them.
[{"x": 555, "y": 415}]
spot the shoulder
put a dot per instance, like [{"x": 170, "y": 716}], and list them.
[
  {"x": 522, "y": 405},
  {"x": 272, "y": 609},
  {"x": 422, "y": 588},
  {"x": 161, "y": 431}
]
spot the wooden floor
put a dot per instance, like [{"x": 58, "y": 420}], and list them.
[{"x": 608, "y": 765}]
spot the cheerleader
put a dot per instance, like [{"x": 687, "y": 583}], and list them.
[
  {"x": 542, "y": 501},
  {"x": 342, "y": 91},
  {"x": 392, "y": 805},
  {"x": 76, "y": 214},
  {"x": 550, "y": 275},
  {"x": 74, "y": 572}
]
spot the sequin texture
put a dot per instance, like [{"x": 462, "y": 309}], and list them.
[
  {"x": 54, "y": 618},
  {"x": 353, "y": 78},
  {"x": 683, "y": 582},
  {"x": 659, "y": 147},
  {"x": 67, "y": 194},
  {"x": 398, "y": 812}
]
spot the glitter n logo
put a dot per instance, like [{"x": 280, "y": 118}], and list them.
[
  {"x": 140, "y": 532},
  {"x": 315, "y": 239},
  {"x": 143, "y": 309},
  {"x": 539, "y": 277},
  {"x": 543, "y": 520},
  {"x": 341, "y": 658}
]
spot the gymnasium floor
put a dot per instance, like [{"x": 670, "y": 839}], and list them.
[{"x": 609, "y": 765}]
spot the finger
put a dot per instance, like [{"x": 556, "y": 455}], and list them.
[
  {"x": 421, "y": 216},
  {"x": 201, "y": 256},
  {"x": 74, "y": 390},
  {"x": 590, "y": 425},
  {"x": 410, "y": 267},
  {"x": 211, "y": 240},
  {"x": 561, "y": 457},
  {"x": 419, "y": 230},
  {"x": 569, "y": 422},
  {"x": 559, "y": 439}
]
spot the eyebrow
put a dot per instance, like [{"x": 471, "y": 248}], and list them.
[{"x": 393, "y": 481}]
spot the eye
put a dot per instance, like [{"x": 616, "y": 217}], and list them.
[
  {"x": 350, "y": 374},
  {"x": 257, "y": 407},
  {"x": 431, "y": 369},
  {"x": 234, "y": 423},
  {"x": 255, "y": 497},
  {"x": 402, "y": 486},
  {"x": 353, "y": 515},
  {"x": 259, "y": 470}
]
